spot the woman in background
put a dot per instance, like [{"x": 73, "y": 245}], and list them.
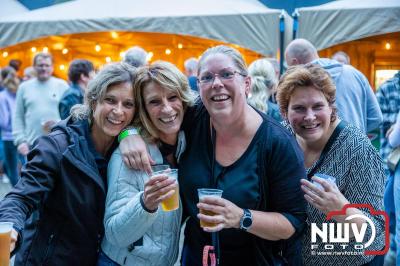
[
  {"x": 263, "y": 83},
  {"x": 7, "y": 109}
]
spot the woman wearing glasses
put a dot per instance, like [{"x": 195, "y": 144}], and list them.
[{"x": 254, "y": 160}]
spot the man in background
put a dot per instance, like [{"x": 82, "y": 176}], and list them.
[
  {"x": 355, "y": 99},
  {"x": 29, "y": 73},
  {"x": 37, "y": 104},
  {"x": 191, "y": 72},
  {"x": 341, "y": 57},
  {"x": 80, "y": 72},
  {"x": 135, "y": 56}
]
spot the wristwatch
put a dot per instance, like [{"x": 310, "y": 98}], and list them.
[{"x": 247, "y": 220}]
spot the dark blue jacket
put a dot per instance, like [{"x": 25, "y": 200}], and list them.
[
  {"x": 62, "y": 182},
  {"x": 72, "y": 96}
]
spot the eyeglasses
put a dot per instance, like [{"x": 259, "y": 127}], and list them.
[{"x": 224, "y": 75}]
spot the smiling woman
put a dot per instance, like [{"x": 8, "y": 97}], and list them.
[
  {"x": 234, "y": 148},
  {"x": 306, "y": 96},
  {"x": 137, "y": 232},
  {"x": 65, "y": 178},
  {"x": 251, "y": 157}
]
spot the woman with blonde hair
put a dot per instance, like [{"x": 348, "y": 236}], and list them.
[
  {"x": 137, "y": 232},
  {"x": 263, "y": 84}
]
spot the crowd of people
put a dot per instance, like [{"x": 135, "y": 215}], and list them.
[{"x": 286, "y": 150}]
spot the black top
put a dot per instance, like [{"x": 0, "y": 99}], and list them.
[{"x": 241, "y": 183}]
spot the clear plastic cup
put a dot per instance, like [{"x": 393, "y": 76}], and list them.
[
  {"x": 172, "y": 203},
  {"x": 208, "y": 192},
  {"x": 159, "y": 167},
  {"x": 329, "y": 178}
]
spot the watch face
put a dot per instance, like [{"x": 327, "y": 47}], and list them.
[{"x": 247, "y": 222}]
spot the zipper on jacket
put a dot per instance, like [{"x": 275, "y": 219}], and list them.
[{"x": 46, "y": 257}]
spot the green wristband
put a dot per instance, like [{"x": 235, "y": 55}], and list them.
[{"x": 127, "y": 132}]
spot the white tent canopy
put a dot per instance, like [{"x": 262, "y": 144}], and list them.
[
  {"x": 11, "y": 7},
  {"x": 347, "y": 20},
  {"x": 247, "y": 23}
]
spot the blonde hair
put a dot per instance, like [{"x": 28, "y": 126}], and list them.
[
  {"x": 263, "y": 81},
  {"x": 301, "y": 76},
  {"x": 110, "y": 75},
  {"x": 169, "y": 77}
]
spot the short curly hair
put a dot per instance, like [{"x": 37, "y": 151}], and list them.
[{"x": 304, "y": 76}]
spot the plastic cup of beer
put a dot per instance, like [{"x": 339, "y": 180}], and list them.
[
  {"x": 208, "y": 192},
  {"x": 171, "y": 203},
  {"x": 5, "y": 240}
]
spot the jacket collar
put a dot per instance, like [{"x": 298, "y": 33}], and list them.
[{"x": 78, "y": 151}]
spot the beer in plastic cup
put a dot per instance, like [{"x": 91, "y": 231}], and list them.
[
  {"x": 329, "y": 178},
  {"x": 5, "y": 240},
  {"x": 208, "y": 192},
  {"x": 172, "y": 203}
]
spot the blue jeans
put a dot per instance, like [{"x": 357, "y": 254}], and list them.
[
  {"x": 1, "y": 153},
  {"x": 104, "y": 260},
  {"x": 388, "y": 201},
  {"x": 11, "y": 157},
  {"x": 392, "y": 207},
  {"x": 396, "y": 194}
]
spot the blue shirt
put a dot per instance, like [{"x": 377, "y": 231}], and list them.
[{"x": 389, "y": 100}]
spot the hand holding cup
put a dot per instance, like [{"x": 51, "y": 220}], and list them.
[{"x": 162, "y": 188}]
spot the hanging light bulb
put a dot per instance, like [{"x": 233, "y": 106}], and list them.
[
  {"x": 388, "y": 46},
  {"x": 5, "y": 54},
  {"x": 167, "y": 51},
  {"x": 180, "y": 46},
  {"x": 97, "y": 48},
  {"x": 108, "y": 59},
  {"x": 58, "y": 46},
  {"x": 33, "y": 49},
  {"x": 62, "y": 67},
  {"x": 65, "y": 51},
  {"x": 149, "y": 56},
  {"x": 114, "y": 34},
  {"x": 45, "y": 49}
]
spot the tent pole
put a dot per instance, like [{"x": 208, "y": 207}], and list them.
[
  {"x": 295, "y": 16},
  {"x": 281, "y": 39}
]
